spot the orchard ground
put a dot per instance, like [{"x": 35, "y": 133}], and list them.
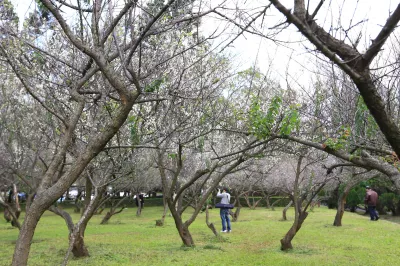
[{"x": 255, "y": 240}]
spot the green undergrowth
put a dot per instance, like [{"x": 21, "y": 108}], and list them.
[{"x": 131, "y": 240}]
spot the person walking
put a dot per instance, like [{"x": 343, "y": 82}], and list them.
[
  {"x": 224, "y": 212},
  {"x": 371, "y": 198}
]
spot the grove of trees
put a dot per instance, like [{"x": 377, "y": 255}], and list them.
[{"x": 139, "y": 96}]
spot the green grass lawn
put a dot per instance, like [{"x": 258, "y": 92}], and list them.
[{"x": 131, "y": 240}]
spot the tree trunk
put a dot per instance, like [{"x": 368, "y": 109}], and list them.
[
  {"x": 340, "y": 209},
  {"x": 275, "y": 202},
  {"x": 77, "y": 243},
  {"x": 162, "y": 220},
  {"x": 286, "y": 242},
  {"x": 210, "y": 225},
  {"x": 267, "y": 203},
  {"x": 11, "y": 215},
  {"x": 29, "y": 200},
  {"x": 139, "y": 205},
  {"x": 246, "y": 197},
  {"x": 65, "y": 215},
  {"x": 113, "y": 211},
  {"x": 27, "y": 231},
  {"x": 12, "y": 210},
  {"x": 284, "y": 217},
  {"x": 185, "y": 235},
  {"x": 183, "y": 228},
  {"x": 235, "y": 215},
  {"x": 79, "y": 249},
  {"x": 106, "y": 217},
  {"x": 88, "y": 193}
]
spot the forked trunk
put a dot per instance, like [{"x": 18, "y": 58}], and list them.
[{"x": 286, "y": 242}]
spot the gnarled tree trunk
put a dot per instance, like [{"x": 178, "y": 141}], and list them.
[{"x": 286, "y": 242}]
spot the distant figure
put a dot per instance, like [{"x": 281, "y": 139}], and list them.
[
  {"x": 371, "y": 198},
  {"x": 141, "y": 198},
  {"x": 224, "y": 212}
]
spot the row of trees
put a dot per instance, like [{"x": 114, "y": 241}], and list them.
[{"x": 135, "y": 96}]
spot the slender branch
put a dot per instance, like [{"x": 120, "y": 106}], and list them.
[
  {"x": 345, "y": 51},
  {"x": 146, "y": 29},
  {"x": 330, "y": 168},
  {"x": 317, "y": 9},
  {"x": 244, "y": 149},
  {"x": 89, "y": 10},
  {"x": 78, "y": 43},
  {"x": 380, "y": 40},
  {"x": 131, "y": 147},
  {"x": 116, "y": 20}
]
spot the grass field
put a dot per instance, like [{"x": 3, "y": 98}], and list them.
[{"x": 131, "y": 240}]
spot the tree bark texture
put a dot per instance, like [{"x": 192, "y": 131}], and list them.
[
  {"x": 185, "y": 235},
  {"x": 341, "y": 206},
  {"x": 183, "y": 228},
  {"x": 286, "y": 242},
  {"x": 79, "y": 249}
]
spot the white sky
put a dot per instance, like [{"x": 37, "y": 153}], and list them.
[
  {"x": 273, "y": 58},
  {"x": 251, "y": 48}
]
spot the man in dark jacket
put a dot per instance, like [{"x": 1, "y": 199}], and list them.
[{"x": 371, "y": 198}]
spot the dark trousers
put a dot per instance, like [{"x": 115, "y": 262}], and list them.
[{"x": 373, "y": 213}]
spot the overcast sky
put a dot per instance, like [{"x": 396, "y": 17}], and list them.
[
  {"x": 274, "y": 58},
  {"x": 251, "y": 48}
]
